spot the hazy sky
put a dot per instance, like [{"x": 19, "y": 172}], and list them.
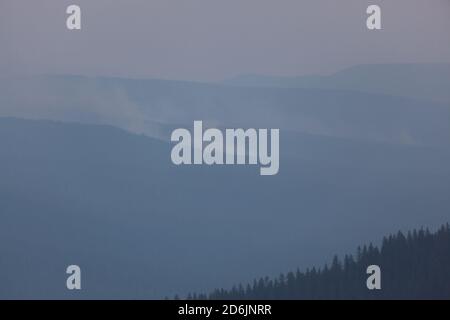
[{"x": 217, "y": 39}]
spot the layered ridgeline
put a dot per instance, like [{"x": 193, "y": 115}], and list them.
[
  {"x": 421, "y": 81},
  {"x": 140, "y": 227},
  {"x": 412, "y": 266},
  {"x": 353, "y": 166},
  {"x": 405, "y": 104}
]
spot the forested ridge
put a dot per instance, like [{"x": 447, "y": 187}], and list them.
[{"x": 415, "y": 265}]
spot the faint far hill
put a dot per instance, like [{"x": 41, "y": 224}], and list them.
[
  {"x": 155, "y": 107},
  {"x": 423, "y": 81}
]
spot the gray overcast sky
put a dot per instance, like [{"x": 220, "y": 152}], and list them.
[{"x": 216, "y": 39}]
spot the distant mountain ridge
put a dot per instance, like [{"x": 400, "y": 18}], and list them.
[
  {"x": 421, "y": 81},
  {"x": 155, "y": 107}
]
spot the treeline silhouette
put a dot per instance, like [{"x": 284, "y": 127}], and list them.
[{"x": 413, "y": 266}]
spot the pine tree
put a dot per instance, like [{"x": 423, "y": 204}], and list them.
[{"x": 415, "y": 266}]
